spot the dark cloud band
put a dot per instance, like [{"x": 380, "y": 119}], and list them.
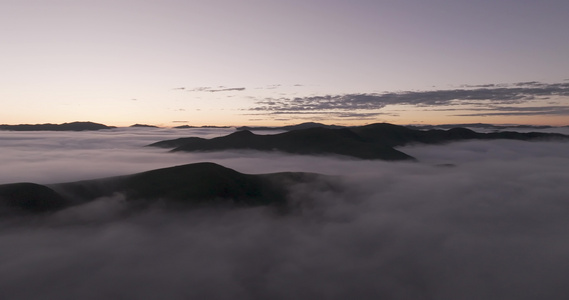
[{"x": 483, "y": 96}]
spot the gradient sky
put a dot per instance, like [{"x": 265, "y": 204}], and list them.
[{"x": 268, "y": 62}]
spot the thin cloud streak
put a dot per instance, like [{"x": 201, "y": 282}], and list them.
[
  {"x": 217, "y": 89},
  {"x": 522, "y": 111}
]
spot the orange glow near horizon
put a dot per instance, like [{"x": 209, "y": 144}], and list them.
[
  {"x": 205, "y": 113},
  {"x": 237, "y": 121}
]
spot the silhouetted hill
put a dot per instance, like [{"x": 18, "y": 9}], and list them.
[
  {"x": 30, "y": 197},
  {"x": 204, "y": 182},
  {"x": 387, "y": 134},
  {"x": 374, "y": 141},
  {"x": 304, "y": 141},
  {"x": 175, "y": 143},
  {"x": 394, "y": 135},
  {"x": 186, "y": 185},
  {"x": 74, "y": 126},
  {"x": 293, "y": 127},
  {"x": 143, "y": 126}
]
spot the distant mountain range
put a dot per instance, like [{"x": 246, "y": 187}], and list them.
[
  {"x": 293, "y": 127},
  {"x": 73, "y": 126},
  {"x": 422, "y": 127},
  {"x": 205, "y": 126},
  {"x": 303, "y": 141},
  {"x": 479, "y": 125},
  {"x": 83, "y": 126},
  {"x": 143, "y": 126},
  {"x": 181, "y": 186},
  {"x": 374, "y": 141}
]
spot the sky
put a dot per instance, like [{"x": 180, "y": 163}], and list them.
[
  {"x": 494, "y": 226},
  {"x": 225, "y": 62}
]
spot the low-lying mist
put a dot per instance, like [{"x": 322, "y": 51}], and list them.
[{"x": 470, "y": 220}]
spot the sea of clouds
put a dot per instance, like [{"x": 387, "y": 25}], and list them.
[{"x": 470, "y": 220}]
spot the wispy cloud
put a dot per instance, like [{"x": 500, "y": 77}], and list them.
[
  {"x": 521, "y": 111},
  {"x": 215, "y": 89},
  {"x": 270, "y": 87}
]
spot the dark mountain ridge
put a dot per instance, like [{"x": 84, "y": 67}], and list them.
[
  {"x": 73, "y": 126},
  {"x": 143, "y": 126},
  {"x": 478, "y": 125},
  {"x": 415, "y": 126},
  {"x": 180, "y": 186},
  {"x": 309, "y": 141},
  {"x": 305, "y": 125},
  {"x": 374, "y": 141}
]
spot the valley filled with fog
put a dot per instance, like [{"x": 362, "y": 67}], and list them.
[{"x": 468, "y": 220}]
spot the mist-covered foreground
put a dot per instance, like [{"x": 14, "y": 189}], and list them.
[{"x": 492, "y": 227}]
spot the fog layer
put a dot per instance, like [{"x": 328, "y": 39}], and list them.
[{"x": 494, "y": 226}]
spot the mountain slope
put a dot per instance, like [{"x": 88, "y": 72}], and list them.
[
  {"x": 73, "y": 126},
  {"x": 305, "y": 125},
  {"x": 304, "y": 141},
  {"x": 185, "y": 185},
  {"x": 374, "y": 141},
  {"x": 30, "y": 197}
]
